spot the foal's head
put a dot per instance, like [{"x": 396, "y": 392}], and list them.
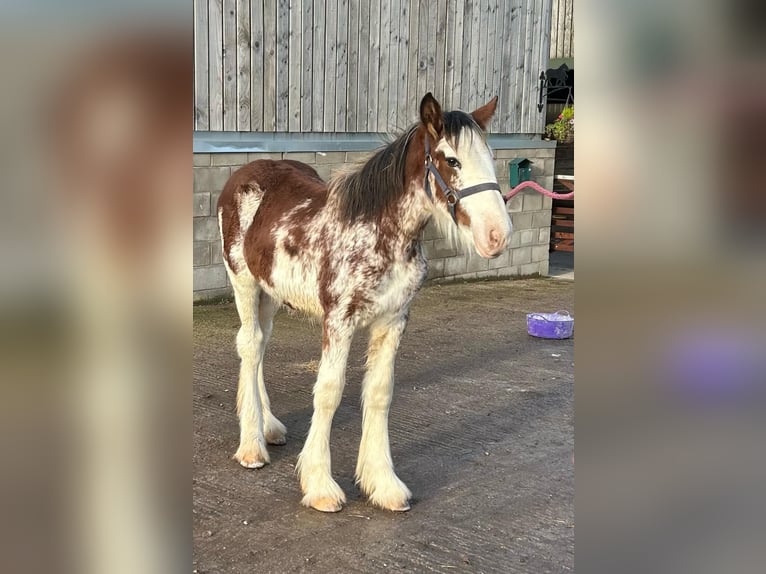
[{"x": 459, "y": 151}]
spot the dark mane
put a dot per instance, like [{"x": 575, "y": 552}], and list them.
[{"x": 366, "y": 192}]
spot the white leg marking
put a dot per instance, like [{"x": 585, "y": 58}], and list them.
[
  {"x": 274, "y": 431},
  {"x": 375, "y": 469},
  {"x": 320, "y": 491},
  {"x": 252, "y": 452}
]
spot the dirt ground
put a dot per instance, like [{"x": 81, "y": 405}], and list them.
[{"x": 482, "y": 432}]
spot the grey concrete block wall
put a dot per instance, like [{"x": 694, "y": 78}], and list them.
[{"x": 530, "y": 212}]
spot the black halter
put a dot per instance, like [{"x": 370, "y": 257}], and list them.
[{"x": 452, "y": 195}]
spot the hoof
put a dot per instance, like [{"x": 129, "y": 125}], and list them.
[
  {"x": 276, "y": 439},
  {"x": 250, "y": 460},
  {"x": 326, "y": 505}
]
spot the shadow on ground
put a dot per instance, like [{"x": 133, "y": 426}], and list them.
[{"x": 481, "y": 432}]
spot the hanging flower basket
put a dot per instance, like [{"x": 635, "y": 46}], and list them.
[{"x": 562, "y": 130}]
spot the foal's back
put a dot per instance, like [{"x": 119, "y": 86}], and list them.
[{"x": 260, "y": 197}]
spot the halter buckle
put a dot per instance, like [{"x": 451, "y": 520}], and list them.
[{"x": 451, "y": 196}]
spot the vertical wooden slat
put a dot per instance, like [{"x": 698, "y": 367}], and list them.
[
  {"x": 554, "y": 27},
  {"x": 215, "y": 56},
  {"x": 569, "y": 30},
  {"x": 481, "y": 71},
  {"x": 283, "y": 61},
  {"x": 201, "y": 69},
  {"x": 364, "y": 67},
  {"x": 422, "y": 78},
  {"x": 256, "y": 65},
  {"x": 383, "y": 87},
  {"x": 413, "y": 93},
  {"x": 431, "y": 55},
  {"x": 533, "y": 88},
  {"x": 294, "y": 75},
  {"x": 476, "y": 34},
  {"x": 243, "y": 65},
  {"x": 449, "y": 56},
  {"x": 393, "y": 67},
  {"x": 269, "y": 65},
  {"x": 457, "y": 43},
  {"x": 307, "y": 64},
  {"x": 404, "y": 105},
  {"x": 465, "y": 69},
  {"x": 545, "y": 49},
  {"x": 507, "y": 71},
  {"x": 372, "y": 94},
  {"x": 330, "y": 81},
  {"x": 517, "y": 75},
  {"x": 341, "y": 66},
  {"x": 527, "y": 75},
  {"x": 352, "y": 77},
  {"x": 497, "y": 61},
  {"x": 441, "y": 47},
  {"x": 229, "y": 65},
  {"x": 317, "y": 88}
]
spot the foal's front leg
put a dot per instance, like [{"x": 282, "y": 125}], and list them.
[
  {"x": 375, "y": 469},
  {"x": 320, "y": 491}
]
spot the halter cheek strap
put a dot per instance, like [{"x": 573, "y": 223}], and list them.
[{"x": 452, "y": 195}]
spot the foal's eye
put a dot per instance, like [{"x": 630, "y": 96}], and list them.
[{"x": 453, "y": 162}]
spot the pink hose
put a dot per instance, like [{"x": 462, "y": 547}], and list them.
[{"x": 539, "y": 188}]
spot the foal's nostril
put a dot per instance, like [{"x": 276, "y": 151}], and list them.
[{"x": 495, "y": 238}]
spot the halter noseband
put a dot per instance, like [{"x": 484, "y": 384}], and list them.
[{"x": 452, "y": 195}]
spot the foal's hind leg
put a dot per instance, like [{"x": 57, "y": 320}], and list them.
[
  {"x": 252, "y": 452},
  {"x": 375, "y": 469},
  {"x": 320, "y": 491},
  {"x": 274, "y": 431}
]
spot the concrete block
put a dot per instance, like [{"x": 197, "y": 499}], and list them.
[
  {"x": 210, "y": 178},
  {"x": 357, "y": 156},
  {"x": 529, "y": 236},
  {"x": 529, "y": 269},
  {"x": 443, "y": 248},
  {"x": 455, "y": 266},
  {"x": 201, "y": 160},
  {"x": 533, "y": 201},
  {"x": 489, "y": 273},
  {"x": 325, "y": 170},
  {"x": 510, "y": 271},
  {"x": 330, "y": 156},
  {"x": 521, "y": 255},
  {"x": 201, "y": 253},
  {"x": 304, "y": 157},
  {"x": 522, "y": 221},
  {"x": 211, "y": 277},
  {"x": 541, "y": 218},
  {"x": 435, "y": 269},
  {"x": 237, "y": 159},
  {"x": 544, "y": 236},
  {"x": 263, "y": 155},
  {"x": 205, "y": 229},
  {"x": 540, "y": 252},
  {"x": 210, "y": 294},
  {"x": 507, "y": 154},
  {"x": 431, "y": 232},
  {"x": 516, "y": 203},
  {"x": 216, "y": 253},
  {"x": 547, "y": 183},
  {"x": 538, "y": 169},
  {"x": 476, "y": 263},
  {"x": 502, "y": 260},
  {"x": 214, "y": 195},
  {"x": 501, "y": 168},
  {"x": 428, "y": 248},
  {"x": 547, "y": 201},
  {"x": 515, "y": 239},
  {"x": 201, "y": 204},
  {"x": 544, "y": 267},
  {"x": 549, "y": 164}
]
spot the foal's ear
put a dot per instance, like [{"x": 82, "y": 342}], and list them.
[
  {"x": 431, "y": 115},
  {"x": 483, "y": 114}
]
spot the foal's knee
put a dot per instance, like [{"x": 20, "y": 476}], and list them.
[{"x": 248, "y": 341}]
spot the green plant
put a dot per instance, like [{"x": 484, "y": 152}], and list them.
[{"x": 563, "y": 128}]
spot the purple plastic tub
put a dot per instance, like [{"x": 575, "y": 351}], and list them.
[{"x": 558, "y": 325}]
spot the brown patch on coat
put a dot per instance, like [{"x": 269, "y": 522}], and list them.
[{"x": 284, "y": 185}]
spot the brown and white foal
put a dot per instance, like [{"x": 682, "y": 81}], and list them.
[{"x": 349, "y": 252}]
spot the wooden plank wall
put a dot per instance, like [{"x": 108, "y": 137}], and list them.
[
  {"x": 562, "y": 29},
  {"x": 363, "y": 65}
]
